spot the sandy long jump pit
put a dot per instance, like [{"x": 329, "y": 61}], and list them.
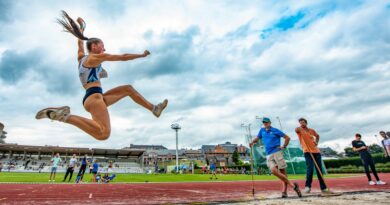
[{"x": 356, "y": 191}]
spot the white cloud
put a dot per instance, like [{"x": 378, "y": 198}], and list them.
[{"x": 211, "y": 64}]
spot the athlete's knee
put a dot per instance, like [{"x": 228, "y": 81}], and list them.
[
  {"x": 130, "y": 89},
  {"x": 103, "y": 134}
]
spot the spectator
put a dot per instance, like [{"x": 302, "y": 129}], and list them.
[
  {"x": 385, "y": 143},
  {"x": 1, "y": 166},
  {"x": 106, "y": 178},
  {"x": 155, "y": 167},
  {"x": 83, "y": 167},
  {"x": 71, "y": 165},
  {"x": 212, "y": 169},
  {"x": 359, "y": 146},
  {"x": 95, "y": 169},
  {"x": 203, "y": 169},
  {"x": 110, "y": 165},
  {"x": 56, "y": 160},
  {"x": 90, "y": 168}
]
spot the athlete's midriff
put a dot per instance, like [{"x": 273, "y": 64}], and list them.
[{"x": 92, "y": 84}]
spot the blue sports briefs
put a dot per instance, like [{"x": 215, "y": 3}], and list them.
[{"x": 91, "y": 91}]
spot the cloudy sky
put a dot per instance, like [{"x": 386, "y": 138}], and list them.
[{"x": 220, "y": 64}]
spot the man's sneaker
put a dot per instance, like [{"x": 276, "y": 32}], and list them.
[
  {"x": 307, "y": 190},
  {"x": 54, "y": 113},
  {"x": 371, "y": 183},
  {"x": 159, "y": 108},
  {"x": 296, "y": 189},
  {"x": 284, "y": 195},
  {"x": 380, "y": 182},
  {"x": 326, "y": 192}
]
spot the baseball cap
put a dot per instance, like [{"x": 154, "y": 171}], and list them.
[{"x": 266, "y": 119}]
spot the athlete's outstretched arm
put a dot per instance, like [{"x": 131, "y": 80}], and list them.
[{"x": 99, "y": 58}]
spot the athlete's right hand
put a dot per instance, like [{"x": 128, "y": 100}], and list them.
[
  {"x": 81, "y": 23},
  {"x": 146, "y": 53}
]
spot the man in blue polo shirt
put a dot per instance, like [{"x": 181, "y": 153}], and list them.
[{"x": 270, "y": 137}]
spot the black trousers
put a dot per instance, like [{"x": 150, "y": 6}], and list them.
[
  {"x": 69, "y": 171},
  {"x": 82, "y": 171},
  {"x": 310, "y": 169},
  {"x": 369, "y": 163}
]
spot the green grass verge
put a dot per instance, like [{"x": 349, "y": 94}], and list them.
[{"x": 129, "y": 178}]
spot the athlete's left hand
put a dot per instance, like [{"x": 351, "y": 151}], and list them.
[{"x": 146, "y": 53}]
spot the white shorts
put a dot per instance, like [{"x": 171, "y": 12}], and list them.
[{"x": 276, "y": 159}]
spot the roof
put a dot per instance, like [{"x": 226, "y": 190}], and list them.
[
  {"x": 69, "y": 150},
  {"x": 152, "y": 147}
]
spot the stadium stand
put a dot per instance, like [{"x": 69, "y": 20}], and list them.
[{"x": 28, "y": 158}]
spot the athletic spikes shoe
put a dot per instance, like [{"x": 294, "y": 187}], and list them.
[
  {"x": 380, "y": 182},
  {"x": 307, "y": 190},
  {"x": 54, "y": 113},
  {"x": 371, "y": 183},
  {"x": 157, "y": 109}
]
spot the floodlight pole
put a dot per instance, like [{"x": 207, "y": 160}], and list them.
[
  {"x": 176, "y": 127},
  {"x": 288, "y": 151}
]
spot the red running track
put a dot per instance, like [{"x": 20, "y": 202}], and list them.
[{"x": 163, "y": 193}]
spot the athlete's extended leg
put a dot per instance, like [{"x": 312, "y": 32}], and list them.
[{"x": 114, "y": 95}]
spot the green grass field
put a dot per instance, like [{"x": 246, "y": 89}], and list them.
[{"x": 131, "y": 178}]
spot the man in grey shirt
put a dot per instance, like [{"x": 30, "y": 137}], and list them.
[{"x": 71, "y": 165}]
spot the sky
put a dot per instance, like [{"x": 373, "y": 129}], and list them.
[{"x": 219, "y": 63}]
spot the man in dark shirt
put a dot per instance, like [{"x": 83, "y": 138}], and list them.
[{"x": 360, "y": 146}]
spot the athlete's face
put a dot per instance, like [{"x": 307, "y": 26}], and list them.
[{"x": 98, "y": 48}]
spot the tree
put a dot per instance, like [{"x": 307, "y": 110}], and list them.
[
  {"x": 350, "y": 153},
  {"x": 374, "y": 149},
  {"x": 235, "y": 157}
]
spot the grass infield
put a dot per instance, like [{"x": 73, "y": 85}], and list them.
[{"x": 130, "y": 178}]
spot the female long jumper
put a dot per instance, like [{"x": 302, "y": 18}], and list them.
[{"x": 90, "y": 72}]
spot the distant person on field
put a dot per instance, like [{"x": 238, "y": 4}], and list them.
[
  {"x": 95, "y": 169},
  {"x": 203, "y": 169},
  {"x": 213, "y": 172},
  {"x": 359, "y": 146},
  {"x": 155, "y": 167},
  {"x": 90, "y": 168},
  {"x": 56, "y": 160},
  {"x": 70, "y": 169},
  {"x": 385, "y": 143},
  {"x": 83, "y": 167},
  {"x": 110, "y": 165}
]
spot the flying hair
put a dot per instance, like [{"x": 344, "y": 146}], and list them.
[{"x": 70, "y": 26}]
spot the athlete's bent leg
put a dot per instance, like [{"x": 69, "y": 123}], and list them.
[{"x": 99, "y": 127}]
